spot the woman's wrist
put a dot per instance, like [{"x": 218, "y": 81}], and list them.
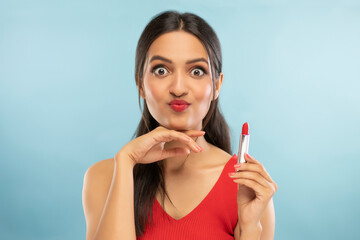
[
  {"x": 250, "y": 232},
  {"x": 122, "y": 158}
]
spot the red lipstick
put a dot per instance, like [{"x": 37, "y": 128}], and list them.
[
  {"x": 243, "y": 143},
  {"x": 245, "y": 129},
  {"x": 179, "y": 105}
]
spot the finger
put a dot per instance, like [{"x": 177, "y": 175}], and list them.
[
  {"x": 250, "y": 159},
  {"x": 258, "y": 188},
  {"x": 171, "y": 135},
  {"x": 188, "y": 134},
  {"x": 259, "y": 168},
  {"x": 192, "y": 143},
  {"x": 193, "y": 133},
  {"x": 251, "y": 176},
  {"x": 245, "y": 167}
]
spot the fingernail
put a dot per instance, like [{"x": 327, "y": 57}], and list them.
[
  {"x": 237, "y": 165},
  {"x": 187, "y": 138},
  {"x": 200, "y": 149},
  {"x": 231, "y": 173},
  {"x": 247, "y": 155}
]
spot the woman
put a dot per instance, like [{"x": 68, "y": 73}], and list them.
[{"x": 171, "y": 181}]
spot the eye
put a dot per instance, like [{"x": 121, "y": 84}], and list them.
[
  {"x": 198, "y": 71},
  {"x": 159, "y": 70}
]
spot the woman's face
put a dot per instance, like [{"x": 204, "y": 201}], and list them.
[{"x": 177, "y": 67}]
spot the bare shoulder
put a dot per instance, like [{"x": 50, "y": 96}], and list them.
[
  {"x": 96, "y": 185},
  {"x": 100, "y": 174},
  {"x": 103, "y": 167},
  {"x": 98, "y": 177},
  {"x": 219, "y": 156}
]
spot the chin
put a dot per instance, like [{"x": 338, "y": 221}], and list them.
[
  {"x": 177, "y": 127},
  {"x": 179, "y": 123}
]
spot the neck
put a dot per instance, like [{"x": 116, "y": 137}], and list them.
[{"x": 184, "y": 162}]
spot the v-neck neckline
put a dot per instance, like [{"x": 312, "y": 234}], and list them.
[{"x": 202, "y": 201}]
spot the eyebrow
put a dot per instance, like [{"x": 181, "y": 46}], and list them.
[{"x": 157, "y": 57}]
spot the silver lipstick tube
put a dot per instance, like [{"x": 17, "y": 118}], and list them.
[{"x": 243, "y": 147}]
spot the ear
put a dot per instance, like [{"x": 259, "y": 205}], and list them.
[
  {"x": 218, "y": 84},
  {"x": 142, "y": 94},
  {"x": 141, "y": 91}
]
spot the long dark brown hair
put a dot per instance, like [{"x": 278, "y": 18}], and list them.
[{"x": 149, "y": 178}]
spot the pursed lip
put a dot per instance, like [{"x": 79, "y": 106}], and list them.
[
  {"x": 179, "y": 102},
  {"x": 179, "y": 105}
]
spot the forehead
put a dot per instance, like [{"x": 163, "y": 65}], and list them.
[{"x": 177, "y": 46}]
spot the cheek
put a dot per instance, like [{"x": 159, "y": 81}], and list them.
[
  {"x": 155, "y": 99},
  {"x": 203, "y": 96},
  {"x": 153, "y": 91}
]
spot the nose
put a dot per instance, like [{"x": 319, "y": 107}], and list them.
[{"x": 178, "y": 87}]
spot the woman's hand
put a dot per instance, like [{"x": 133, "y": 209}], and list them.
[
  {"x": 255, "y": 190},
  {"x": 149, "y": 147}
]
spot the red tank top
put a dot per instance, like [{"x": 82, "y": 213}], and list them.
[{"x": 214, "y": 218}]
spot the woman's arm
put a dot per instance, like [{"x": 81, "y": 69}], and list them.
[
  {"x": 114, "y": 217},
  {"x": 268, "y": 222},
  {"x": 265, "y": 231},
  {"x": 117, "y": 219}
]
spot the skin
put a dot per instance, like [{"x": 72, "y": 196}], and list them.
[{"x": 179, "y": 80}]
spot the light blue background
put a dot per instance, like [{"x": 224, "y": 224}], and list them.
[{"x": 68, "y": 99}]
